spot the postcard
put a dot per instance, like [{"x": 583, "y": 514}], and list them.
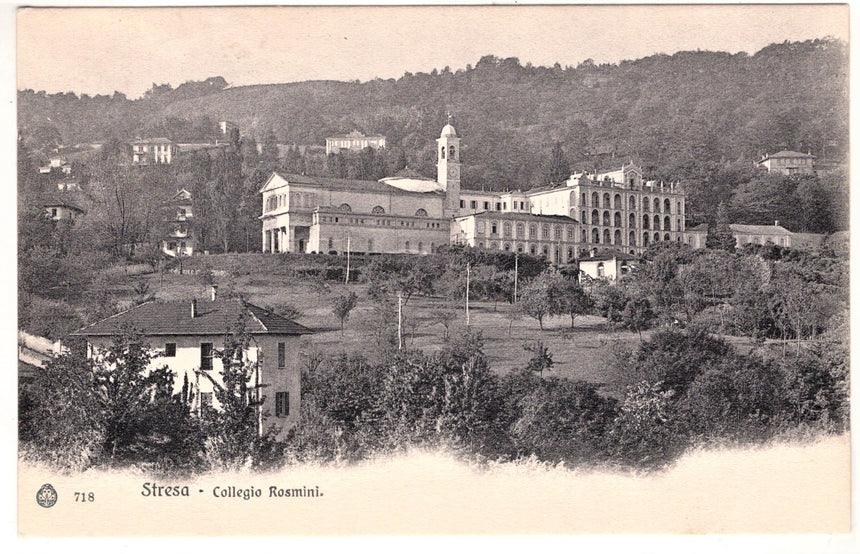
[{"x": 433, "y": 270}]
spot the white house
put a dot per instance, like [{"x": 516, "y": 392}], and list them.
[
  {"x": 607, "y": 265},
  {"x": 188, "y": 334}
]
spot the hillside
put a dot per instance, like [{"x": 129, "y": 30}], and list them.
[{"x": 689, "y": 116}]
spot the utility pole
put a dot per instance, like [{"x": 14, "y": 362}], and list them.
[
  {"x": 346, "y": 279},
  {"x": 516, "y": 273},
  {"x": 468, "y": 272},
  {"x": 399, "y": 321}
]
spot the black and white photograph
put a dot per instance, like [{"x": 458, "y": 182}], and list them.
[{"x": 433, "y": 270}]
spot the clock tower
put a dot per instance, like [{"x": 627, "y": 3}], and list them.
[{"x": 448, "y": 167}]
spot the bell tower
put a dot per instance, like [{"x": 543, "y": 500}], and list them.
[{"x": 448, "y": 166}]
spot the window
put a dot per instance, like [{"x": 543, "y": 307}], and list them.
[
  {"x": 667, "y": 206},
  {"x": 617, "y": 219},
  {"x": 532, "y": 231},
  {"x": 606, "y": 219},
  {"x": 346, "y": 208},
  {"x": 53, "y": 212},
  {"x": 521, "y": 230},
  {"x": 506, "y": 227},
  {"x": 498, "y": 206},
  {"x": 486, "y": 205},
  {"x": 557, "y": 231},
  {"x": 170, "y": 350},
  {"x": 545, "y": 232},
  {"x": 657, "y": 205},
  {"x": 282, "y": 355},
  {"x": 473, "y": 204},
  {"x": 282, "y": 404},
  {"x": 181, "y": 212},
  {"x": 462, "y": 203},
  {"x": 377, "y": 210},
  {"x": 632, "y": 202},
  {"x": 595, "y": 199},
  {"x": 600, "y": 270},
  {"x": 645, "y": 204},
  {"x": 606, "y": 200},
  {"x": 570, "y": 232},
  {"x": 617, "y": 202},
  {"x": 493, "y": 228},
  {"x": 206, "y": 356},
  {"x": 595, "y": 217}
]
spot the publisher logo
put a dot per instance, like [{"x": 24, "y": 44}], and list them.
[{"x": 47, "y": 496}]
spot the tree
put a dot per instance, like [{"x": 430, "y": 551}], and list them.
[
  {"x": 558, "y": 167},
  {"x": 541, "y": 357},
  {"x": 637, "y": 315},
  {"x": 722, "y": 237},
  {"x": 111, "y": 405},
  {"x": 444, "y": 315},
  {"x": 571, "y": 299},
  {"x": 342, "y": 306},
  {"x": 536, "y": 299}
]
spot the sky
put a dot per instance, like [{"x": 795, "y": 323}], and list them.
[{"x": 100, "y": 50}]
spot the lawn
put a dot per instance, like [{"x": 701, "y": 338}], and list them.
[{"x": 584, "y": 352}]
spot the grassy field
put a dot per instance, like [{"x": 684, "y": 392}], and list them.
[{"x": 580, "y": 353}]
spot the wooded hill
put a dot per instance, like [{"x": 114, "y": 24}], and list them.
[{"x": 698, "y": 117}]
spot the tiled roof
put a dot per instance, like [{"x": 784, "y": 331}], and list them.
[
  {"x": 216, "y": 317},
  {"x": 759, "y": 229},
  {"x": 346, "y": 184},
  {"x": 787, "y": 154},
  {"x": 157, "y": 140},
  {"x": 523, "y": 216}
]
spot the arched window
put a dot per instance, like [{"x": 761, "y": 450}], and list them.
[
  {"x": 346, "y": 208},
  {"x": 545, "y": 232},
  {"x": 507, "y": 247},
  {"x": 667, "y": 224},
  {"x": 645, "y": 221},
  {"x": 584, "y": 236},
  {"x": 521, "y": 231},
  {"x": 667, "y": 206},
  {"x": 569, "y": 254},
  {"x": 519, "y": 248},
  {"x": 600, "y": 270},
  {"x": 582, "y": 219},
  {"x": 494, "y": 246},
  {"x": 617, "y": 202},
  {"x": 377, "y": 210},
  {"x": 532, "y": 250},
  {"x": 631, "y": 220},
  {"x": 656, "y": 237},
  {"x": 557, "y": 232},
  {"x": 595, "y": 217},
  {"x": 481, "y": 244},
  {"x": 583, "y": 199},
  {"x": 679, "y": 206},
  {"x": 678, "y": 224},
  {"x": 532, "y": 231},
  {"x": 442, "y": 153},
  {"x": 632, "y": 202},
  {"x": 645, "y": 204},
  {"x": 606, "y": 200},
  {"x": 666, "y": 236},
  {"x": 506, "y": 228},
  {"x": 656, "y": 222},
  {"x": 632, "y": 238},
  {"x": 656, "y": 205},
  {"x": 606, "y": 238},
  {"x": 451, "y": 153},
  {"x": 595, "y": 199},
  {"x": 595, "y": 236},
  {"x": 644, "y": 239},
  {"x": 421, "y": 212},
  {"x": 545, "y": 251},
  {"x": 606, "y": 219},
  {"x": 617, "y": 219},
  {"x": 617, "y": 237}
]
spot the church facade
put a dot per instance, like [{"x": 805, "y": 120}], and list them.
[{"x": 614, "y": 210}]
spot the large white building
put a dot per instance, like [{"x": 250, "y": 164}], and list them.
[{"x": 614, "y": 210}]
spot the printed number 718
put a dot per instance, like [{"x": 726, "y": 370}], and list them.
[{"x": 84, "y": 497}]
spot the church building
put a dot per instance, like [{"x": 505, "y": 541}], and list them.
[{"x": 407, "y": 213}]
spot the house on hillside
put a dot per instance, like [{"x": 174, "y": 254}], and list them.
[
  {"x": 788, "y": 162},
  {"x": 60, "y": 210},
  {"x": 153, "y": 151},
  {"x": 609, "y": 266},
  {"x": 353, "y": 141},
  {"x": 187, "y": 336},
  {"x": 179, "y": 219}
]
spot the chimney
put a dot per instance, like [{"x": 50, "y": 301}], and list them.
[
  {"x": 194, "y": 308},
  {"x": 213, "y": 292},
  {"x": 776, "y": 223}
]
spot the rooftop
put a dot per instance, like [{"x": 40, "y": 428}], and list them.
[
  {"x": 521, "y": 216},
  {"x": 356, "y": 185},
  {"x": 156, "y": 140},
  {"x": 214, "y": 317},
  {"x": 786, "y": 154},
  {"x": 760, "y": 229}
]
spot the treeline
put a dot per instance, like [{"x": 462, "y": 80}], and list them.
[{"x": 698, "y": 117}]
